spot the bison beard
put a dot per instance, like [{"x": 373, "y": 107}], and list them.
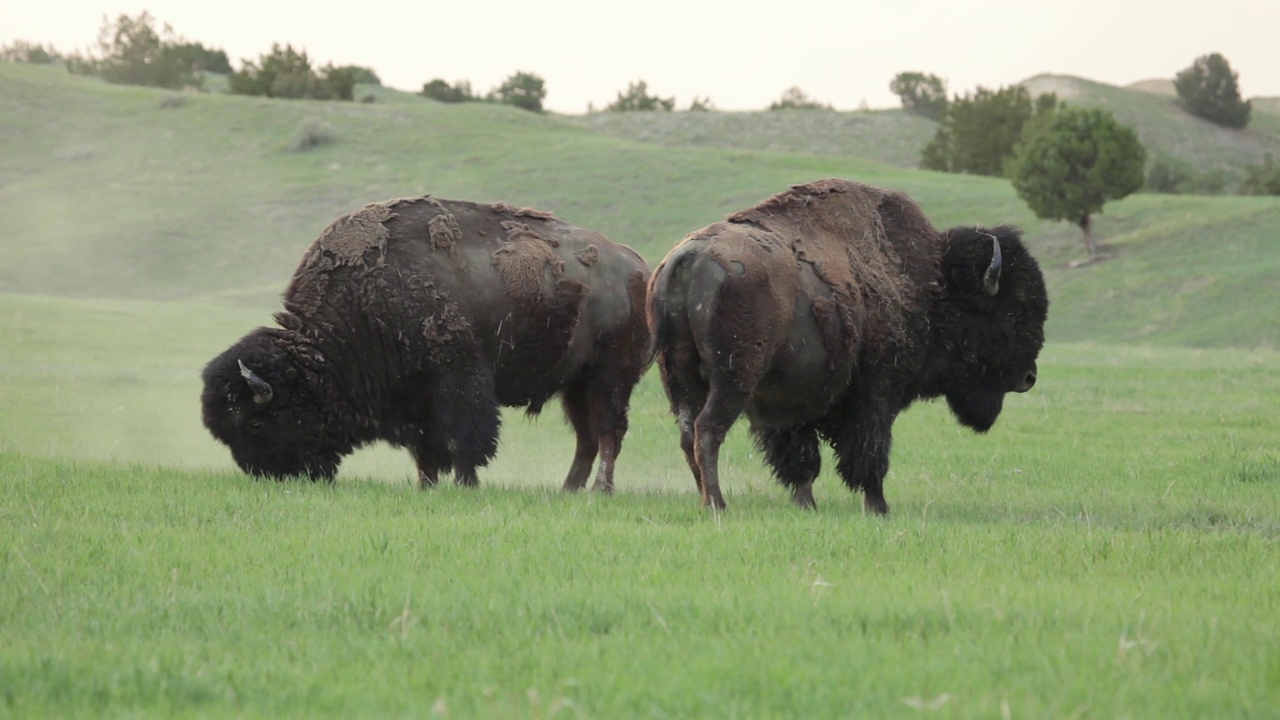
[
  {"x": 414, "y": 321},
  {"x": 825, "y": 311}
]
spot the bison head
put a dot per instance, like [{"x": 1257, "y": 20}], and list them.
[
  {"x": 262, "y": 400},
  {"x": 994, "y": 325}
]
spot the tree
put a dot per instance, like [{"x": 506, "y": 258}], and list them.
[
  {"x": 21, "y": 51},
  {"x": 793, "y": 98},
  {"x": 1208, "y": 89},
  {"x": 1262, "y": 179},
  {"x": 921, "y": 94},
  {"x": 197, "y": 57},
  {"x": 441, "y": 91},
  {"x": 1070, "y": 169},
  {"x": 979, "y": 133},
  {"x": 287, "y": 73},
  {"x": 701, "y": 104},
  {"x": 133, "y": 52},
  {"x": 523, "y": 90},
  {"x": 638, "y": 99},
  {"x": 363, "y": 75}
]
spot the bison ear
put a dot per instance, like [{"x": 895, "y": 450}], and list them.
[{"x": 262, "y": 392}]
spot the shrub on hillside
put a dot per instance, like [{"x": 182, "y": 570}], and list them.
[
  {"x": 441, "y": 91},
  {"x": 1262, "y": 179},
  {"x": 793, "y": 98},
  {"x": 312, "y": 133},
  {"x": 638, "y": 99},
  {"x": 1209, "y": 89},
  {"x": 287, "y": 73},
  {"x": 701, "y": 104},
  {"x": 1174, "y": 177},
  {"x": 523, "y": 90},
  {"x": 21, "y": 51}
]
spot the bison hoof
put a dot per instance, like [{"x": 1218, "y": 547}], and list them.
[{"x": 875, "y": 506}]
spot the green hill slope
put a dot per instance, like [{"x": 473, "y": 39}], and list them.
[
  {"x": 123, "y": 192},
  {"x": 892, "y": 137}
]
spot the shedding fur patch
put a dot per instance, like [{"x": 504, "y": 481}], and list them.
[
  {"x": 522, "y": 261},
  {"x": 588, "y": 255},
  {"x": 355, "y": 239},
  {"x": 505, "y": 209},
  {"x": 444, "y": 230}
]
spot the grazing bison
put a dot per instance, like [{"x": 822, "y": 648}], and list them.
[
  {"x": 412, "y": 321},
  {"x": 825, "y": 311}
]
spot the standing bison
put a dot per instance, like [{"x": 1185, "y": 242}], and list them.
[
  {"x": 412, "y": 321},
  {"x": 825, "y": 311}
]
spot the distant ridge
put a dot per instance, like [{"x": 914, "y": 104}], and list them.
[{"x": 1155, "y": 86}]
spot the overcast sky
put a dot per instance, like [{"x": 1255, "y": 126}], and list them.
[{"x": 742, "y": 54}]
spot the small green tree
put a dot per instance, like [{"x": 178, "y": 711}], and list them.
[
  {"x": 793, "y": 98},
  {"x": 523, "y": 90},
  {"x": 979, "y": 133},
  {"x": 441, "y": 91},
  {"x": 1072, "y": 167},
  {"x": 921, "y": 94},
  {"x": 638, "y": 99},
  {"x": 1262, "y": 179},
  {"x": 1208, "y": 89},
  {"x": 197, "y": 57},
  {"x": 132, "y": 51}
]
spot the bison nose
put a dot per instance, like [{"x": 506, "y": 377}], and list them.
[{"x": 1027, "y": 382}]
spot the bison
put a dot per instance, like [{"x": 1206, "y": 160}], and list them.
[
  {"x": 412, "y": 321},
  {"x": 825, "y": 311}
]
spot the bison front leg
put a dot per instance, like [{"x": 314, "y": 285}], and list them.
[{"x": 862, "y": 448}]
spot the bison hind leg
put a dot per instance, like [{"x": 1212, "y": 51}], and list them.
[
  {"x": 577, "y": 411},
  {"x": 793, "y": 455}
]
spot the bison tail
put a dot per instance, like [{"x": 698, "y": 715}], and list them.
[{"x": 665, "y": 301}]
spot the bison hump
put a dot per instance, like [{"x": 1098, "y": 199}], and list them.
[{"x": 355, "y": 240}]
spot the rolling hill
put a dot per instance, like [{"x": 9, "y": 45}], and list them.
[
  {"x": 134, "y": 193},
  {"x": 895, "y": 138}
]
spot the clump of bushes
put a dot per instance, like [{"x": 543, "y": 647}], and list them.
[{"x": 312, "y": 133}]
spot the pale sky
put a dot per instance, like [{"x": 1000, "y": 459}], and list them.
[{"x": 743, "y": 54}]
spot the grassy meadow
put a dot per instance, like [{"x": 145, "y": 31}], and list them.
[{"x": 1110, "y": 549}]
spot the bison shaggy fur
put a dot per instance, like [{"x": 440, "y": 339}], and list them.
[
  {"x": 413, "y": 321},
  {"x": 825, "y": 311}
]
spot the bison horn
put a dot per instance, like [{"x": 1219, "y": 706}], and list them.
[
  {"x": 991, "y": 280},
  {"x": 261, "y": 388}
]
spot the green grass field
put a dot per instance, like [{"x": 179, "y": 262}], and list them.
[{"x": 1111, "y": 549}]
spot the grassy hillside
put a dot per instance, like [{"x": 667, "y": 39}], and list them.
[
  {"x": 896, "y": 138},
  {"x": 118, "y": 192},
  {"x": 892, "y": 137}
]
